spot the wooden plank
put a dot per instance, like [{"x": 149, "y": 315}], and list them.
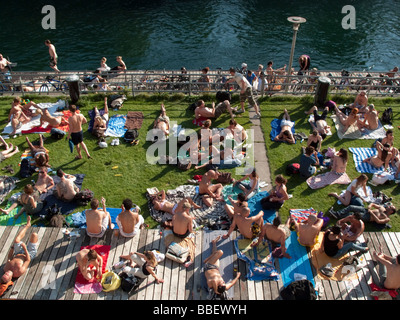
[
  {"x": 159, "y": 245},
  {"x": 197, "y": 263},
  {"x": 141, "y": 249},
  {"x": 6, "y": 241},
  {"x": 131, "y": 246}
]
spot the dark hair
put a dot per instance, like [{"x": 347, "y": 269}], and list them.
[
  {"x": 309, "y": 150},
  {"x": 128, "y": 204},
  {"x": 343, "y": 154},
  {"x": 335, "y": 230},
  {"x": 286, "y": 133},
  {"x": 221, "y": 289},
  {"x": 232, "y": 122},
  {"x": 357, "y": 215},
  {"x": 92, "y": 255},
  {"x": 60, "y": 173},
  {"x": 280, "y": 179},
  {"x": 72, "y": 108},
  {"x": 398, "y": 258},
  {"x": 241, "y": 197},
  {"x": 232, "y": 69},
  {"x": 277, "y": 221}
]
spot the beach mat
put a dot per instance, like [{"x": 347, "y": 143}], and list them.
[
  {"x": 7, "y": 184},
  {"x": 116, "y": 126},
  {"x": 10, "y": 220},
  {"x": 260, "y": 263},
  {"x": 298, "y": 265},
  {"x": 82, "y": 285},
  {"x": 226, "y": 261},
  {"x": 360, "y": 154},
  {"x": 134, "y": 120},
  {"x": 255, "y": 207},
  {"x": 354, "y": 133}
]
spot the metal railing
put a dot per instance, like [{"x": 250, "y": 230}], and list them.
[{"x": 195, "y": 82}]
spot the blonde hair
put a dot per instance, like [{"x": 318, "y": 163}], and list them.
[{"x": 151, "y": 257}]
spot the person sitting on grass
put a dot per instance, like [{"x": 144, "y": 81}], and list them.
[
  {"x": 16, "y": 116},
  {"x": 66, "y": 188},
  {"x": 278, "y": 196},
  {"x": 352, "y": 194},
  {"x": 308, "y": 162},
  {"x": 97, "y": 220},
  {"x": 348, "y": 120},
  {"x": 339, "y": 162},
  {"x": 319, "y": 124},
  {"x": 286, "y": 130},
  {"x": 371, "y": 119},
  {"x": 128, "y": 220},
  {"x": 383, "y": 156}
]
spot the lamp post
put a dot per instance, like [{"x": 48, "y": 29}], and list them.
[{"x": 296, "y": 21}]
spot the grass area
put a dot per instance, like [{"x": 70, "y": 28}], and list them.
[
  {"x": 138, "y": 174},
  {"x": 281, "y": 154}
]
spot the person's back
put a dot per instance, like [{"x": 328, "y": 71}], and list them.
[
  {"x": 182, "y": 222},
  {"x": 306, "y": 165},
  {"x": 76, "y": 120},
  {"x": 309, "y": 231},
  {"x": 95, "y": 217},
  {"x": 128, "y": 219}
]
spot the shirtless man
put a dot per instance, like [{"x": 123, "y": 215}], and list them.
[
  {"x": 214, "y": 112},
  {"x": 39, "y": 153},
  {"x": 44, "y": 182},
  {"x": 388, "y": 270},
  {"x": 161, "y": 203},
  {"x": 208, "y": 190},
  {"x": 75, "y": 132},
  {"x": 347, "y": 121},
  {"x": 53, "y": 55},
  {"x": 352, "y": 227},
  {"x": 182, "y": 222},
  {"x": 286, "y": 130},
  {"x": 45, "y": 116},
  {"x": 361, "y": 102},
  {"x": 17, "y": 116},
  {"x": 89, "y": 262},
  {"x": 4, "y": 64},
  {"x": 212, "y": 273},
  {"x": 245, "y": 223},
  {"x": 319, "y": 123},
  {"x": 20, "y": 254},
  {"x": 308, "y": 231},
  {"x": 238, "y": 206},
  {"x": 371, "y": 119},
  {"x": 97, "y": 220},
  {"x": 129, "y": 221},
  {"x": 276, "y": 233},
  {"x": 66, "y": 188}
]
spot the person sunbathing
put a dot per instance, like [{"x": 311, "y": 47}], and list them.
[
  {"x": 162, "y": 204},
  {"x": 182, "y": 222},
  {"x": 383, "y": 156},
  {"x": 352, "y": 227},
  {"x": 210, "y": 191},
  {"x": 339, "y": 162},
  {"x": 307, "y": 231},
  {"x": 361, "y": 102},
  {"x": 371, "y": 119},
  {"x": 286, "y": 130},
  {"x": 319, "y": 124},
  {"x": 54, "y": 122},
  {"x": 16, "y": 116},
  {"x": 39, "y": 153},
  {"x": 245, "y": 223},
  {"x": 100, "y": 121},
  {"x": 89, "y": 261},
  {"x": 348, "y": 121},
  {"x": 162, "y": 121},
  {"x": 9, "y": 151},
  {"x": 129, "y": 220},
  {"x": 238, "y": 206},
  {"x": 213, "y": 112}
]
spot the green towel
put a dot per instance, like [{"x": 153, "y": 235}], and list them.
[{"x": 9, "y": 220}]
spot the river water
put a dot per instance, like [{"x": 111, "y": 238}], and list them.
[{"x": 169, "y": 34}]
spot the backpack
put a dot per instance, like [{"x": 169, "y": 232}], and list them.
[
  {"x": 131, "y": 134},
  {"x": 129, "y": 283},
  {"x": 299, "y": 290},
  {"x": 57, "y": 133},
  {"x": 292, "y": 168},
  {"x": 84, "y": 197},
  {"x": 26, "y": 169},
  {"x": 387, "y": 116},
  {"x": 223, "y": 95},
  {"x": 192, "y": 107}
]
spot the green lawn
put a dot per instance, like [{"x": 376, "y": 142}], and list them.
[{"x": 138, "y": 174}]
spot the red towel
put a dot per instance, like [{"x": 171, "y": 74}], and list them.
[
  {"x": 374, "y": 287},
  {"x": 200, "y": 121},
  {"x": 82, "y": 285}
]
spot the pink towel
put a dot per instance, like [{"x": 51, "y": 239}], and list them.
[{"x": 328, "y": 178}]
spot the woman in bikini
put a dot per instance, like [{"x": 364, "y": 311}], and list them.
[
  {"x": 315, "y": 140},
  {"x": 162, "y": 121},
  {"x": 162, "y": 204},
  {"x": 251, "y": 187},
  {"x": 339, "y": 162},
  {"x": 278, "y": 196}
]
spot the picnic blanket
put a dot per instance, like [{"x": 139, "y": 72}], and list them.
[
  {"x": 10, "y": 220},
  {"x": 276, "y": 128},
  {"x": 225, "y": 262},
  {"x": 203, "y": 216},
  {"x": 328, "y": 178},
  {"x": 84, "y": 286},
  {"x": 301, "y": 215},
  {"x": 353, "y": 132},
  {"x": 320, "y": 259},
  {"x": 28, "y": 155},
  {"x": 259, "y": 259},
  {"x": 134, "y": 120},
  {"x": 34, "y": 124},
  {"x": 7, "y": 184},
  {"x": 360, "y": 154},
  {"x": 116, "y": 126},
  {"x": 299, "y": 264}
]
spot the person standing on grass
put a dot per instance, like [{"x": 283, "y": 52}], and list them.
[
  {"x": 53, "y": 55},
  {"x": 75, "y": 132}
]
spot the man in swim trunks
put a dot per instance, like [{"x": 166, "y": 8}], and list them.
[
  {"x": 238, "y": 206},
  {"x": 308, "y": 231},
  {"x": 212, "y": 273},
  {"x": 213, "y": 112},
  {"x": 20, "y": 254},
  {"x": 245, "y": 223},
  {"x": 182, "y": 222},
  {"x": 97, "y": 220},
  {"x": 371, "y": 119},
  {"x": 129, "y": 221},
  {"x": 75, "y": 132},
  {"x": 208, "y": 190},
  {"x": 277, "y": 233},
  {"x": 286, "y": 130},
  {"x": 53, "y": 55},
  {"x": 361, "y": 102}
]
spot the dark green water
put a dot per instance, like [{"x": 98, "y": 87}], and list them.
[{"x": 169, "y": 34}]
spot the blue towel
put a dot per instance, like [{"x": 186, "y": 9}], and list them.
[
  {"x": 255, "y": 207},
  {"x": 276, "y": 128},
  {"x": 360, "y": 154},
  {"x": 116, "y": 126},
  {"x": 299, "y": 262}
]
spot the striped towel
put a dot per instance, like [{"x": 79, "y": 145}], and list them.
[{"x": 360, "y": 154}]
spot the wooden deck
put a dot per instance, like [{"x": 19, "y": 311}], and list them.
[{"x": 51, "y": 275}]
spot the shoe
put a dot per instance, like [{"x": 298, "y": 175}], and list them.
[
  {"x": 116, "y": 142},
  {"x": 240, "y": 111},
  {"x": 112, "y": 143},
  {"x": 257, "y": 116}
]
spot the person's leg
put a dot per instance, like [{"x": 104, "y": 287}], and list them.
[
  {"x": 229, "y": 210},
  {"x": 382, "y": 274},
  {"x": 7, "y": 211},
  {"x": 85, "y": 149},
  {"x": 350, "y": 246},
  {"x": 345, "y": 200},
  {"x": 78, "y": 150},
  {"x": 22, "y": 233},
  {"x": 286, "y": 115},
  {"x": 215, "y": 254}
]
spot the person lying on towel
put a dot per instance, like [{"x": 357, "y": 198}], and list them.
[{"x": 286, "y": 130}]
